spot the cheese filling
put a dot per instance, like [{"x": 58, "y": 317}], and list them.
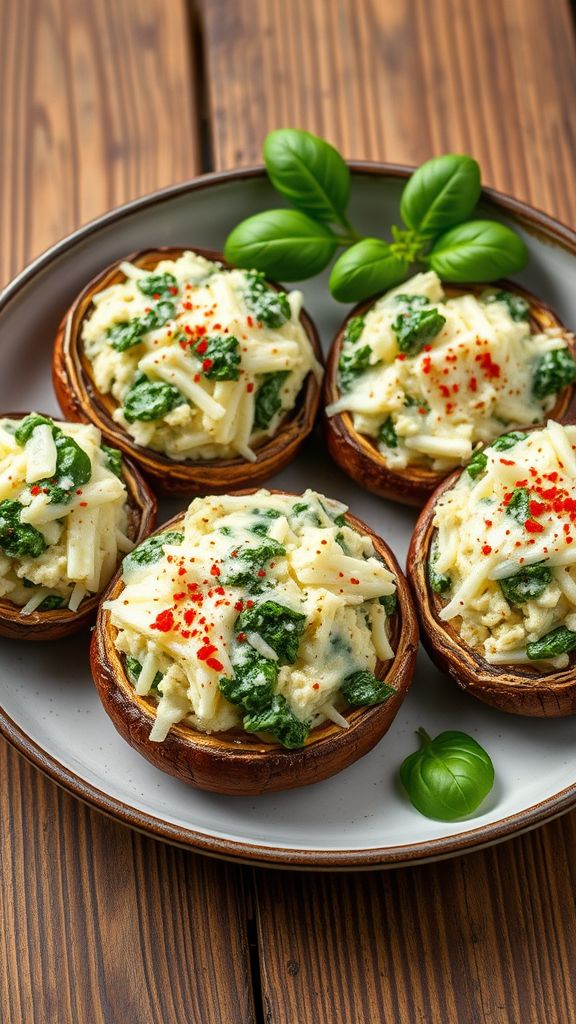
[
  {"x": 63, "y": 513},
  {"x": 427, "y": 377},
  {"x": 203, "y": 362},
  {"x": 265, "y": 612},
  {"x": 504, "y": 553}
]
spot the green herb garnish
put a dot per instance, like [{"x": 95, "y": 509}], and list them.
[{"x": 449, "y": 777}]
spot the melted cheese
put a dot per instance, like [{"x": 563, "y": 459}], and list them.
[
  {"x": 84, "y": 536},
  {"x": 480, "y": 543},
  {"x": 215, "y": 418},
  {"x": 470, "y": 382},
  {"x": 171, "y": 610}
]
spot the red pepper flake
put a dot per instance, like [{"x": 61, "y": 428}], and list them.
[
  {"x": 214, "y": 570},
  {"x": 473, "y": 384},
  {"x": 219, "y": 590},
  {"x": 185, "y": 633},
  {"x": 239, "y": 605},
  {"x": 187, "y": 305},
  {"x": 401, "y": 356},
  {"x": 215, "y": 664},
  {"x": 536, "y": 508},
  {"x": 189, "y": 616},
  {"x": 490, "y": 368},
  {"x": 261, "y": 573},
  {"x": 156, "y": 295},
  {"x": 241, "y": 637},
  {"x": 35, "y": 490},
  {"x": 207, "y": 365},
  {"x": 486, "y": 550},
  {"x": 203, "y": 653},
  {"x": 196, "y": 378},
  {"x": 444, "y": 391},
  {"x": 250, "y": 388},
  {"x": 181, "y": 571},
  {"x": 249, "y": 604},
  {"x": 201, "y": 347},
  {"x": 488, "y": 522},
  {"x": 315, "y": 686},
  {"x": 79, "y": 491},
  {"x": 354, "y": 580},
  {"x": 507, "y": 462},
  {"x": 180, "y": 597},
  {"x": 173, "y": 290},
  {"x": 164, "y": 621},
  {"x": 249, "y": 321},
  {"x": 83, "y": 504},
  {"x": 426, "y": 364},
  {"x": 533, "y": 527},
  {"x": 201, "y": 330}
]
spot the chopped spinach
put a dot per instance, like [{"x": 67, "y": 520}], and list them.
[
  {"x": 517, "y": 307},
  {"x": 268, "y": 402},
  {"x": 269, "y": 306},
  {"x": 553, "y": 371},
  {"x": 244, "y": 568},
  {"x": 158, "y": 285},
  {"x": 440, "y": 582},
  {"x": 150, "y": 400},
  {"x": 354, "y": 329},
  {"x": 50, "y": 603},
  {"x": 362, "y": 689},
  {"x": 389, "y": 603},
  {"x": 159, "y": 315},
  {"x": 351, "y": 364},
  {"x": 387, "y": 433},
  {"x": 410, "y": 302},
  {"x": 518, "y": 507},
  {"x": 477, "y": 464},
  {"x": 507, "y": 441},
  {"x": 559, "y": 641},
  {"x": 152, "y": 549},
  {"x": 28, "y": 425},
  {"x": 527, "y": 584},
  {"x": 133, "y": 670},
  {"x": 280, "y": 720},
  {"x": 17, "y": 539},
  {"x": 253, "y": 683},
  {"x": 220, "y": 358},
  {"x": 73, "y": 468},
  {"x": 113, "y": 460},
  {"x": 279, "y": 626},
  {"x": 416, "y": 327},
  {"x": 125, "y": 335},
  {"x": 412, "y": 401}
]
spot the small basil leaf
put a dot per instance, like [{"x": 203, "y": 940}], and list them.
[
  {"x": 480, "y": 250},
  {"x": 440, "y": 193},
  {"x": 308, "y": 172},
  {"x": 368, "y": 267},
  {"x": 285, "y": 244},
  {"x": 449, "y": 777}
]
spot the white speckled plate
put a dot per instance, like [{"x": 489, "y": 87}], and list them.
[{"x": 48, "y": 705}]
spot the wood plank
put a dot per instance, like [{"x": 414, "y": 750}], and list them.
[
  {"x": 97, "y": 923},
  {"x": 488, "y": 937},
  {"x": 101, "y": 924},
  {"x": 97, "y": 107},
  {"x": 403, "y": 82}
]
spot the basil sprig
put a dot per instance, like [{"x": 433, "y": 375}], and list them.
[
  {"x": 437, "y": 203},
  {"x": 449, "y": 777}
]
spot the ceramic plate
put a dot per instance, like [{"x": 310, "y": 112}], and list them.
[{"x": 49, "y": 708}]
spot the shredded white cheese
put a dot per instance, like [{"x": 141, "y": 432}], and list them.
[{"x": 214, "y": 413}]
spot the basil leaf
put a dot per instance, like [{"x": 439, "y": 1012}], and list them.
[
  {"x": 449, "y": 777},
  {"x": 480, "y": 250},
  {"x": 559, "y": 641},
  {"x": 285, "y": 244},
  {"x": 440, "y": 193},
  {"x": 368, "y": 267},
  {"x": 527, "y": 584},
  {"x": 308, "y": 172}
]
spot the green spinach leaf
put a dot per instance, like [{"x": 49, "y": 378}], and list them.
[
  {"x": 268, "y": 401},
  {"x": 363, "y": 689},
  {"x": 416, "y": 328},
  {"x": 559, "y": 641},
  {"x": 527, "y": 584},
  {"x": 553, "y": 371},
  {"x": 150, "y": 400},
  {"x": 17, "y": 539},
  {"x": 279, "y": 720}
]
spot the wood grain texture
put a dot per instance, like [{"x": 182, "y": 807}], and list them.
[
  {"x": 101, "y": 925},
  {"x": 97, "y": 108},
  {"x": 97, "y": 923},
  {"x": 402, "y": 82},
  {"x": 488, "y": 937}
]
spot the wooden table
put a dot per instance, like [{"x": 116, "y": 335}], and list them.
[{"x": 102, "y": 101}]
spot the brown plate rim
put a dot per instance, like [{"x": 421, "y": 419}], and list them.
[{"x": 254, "y": 853}]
